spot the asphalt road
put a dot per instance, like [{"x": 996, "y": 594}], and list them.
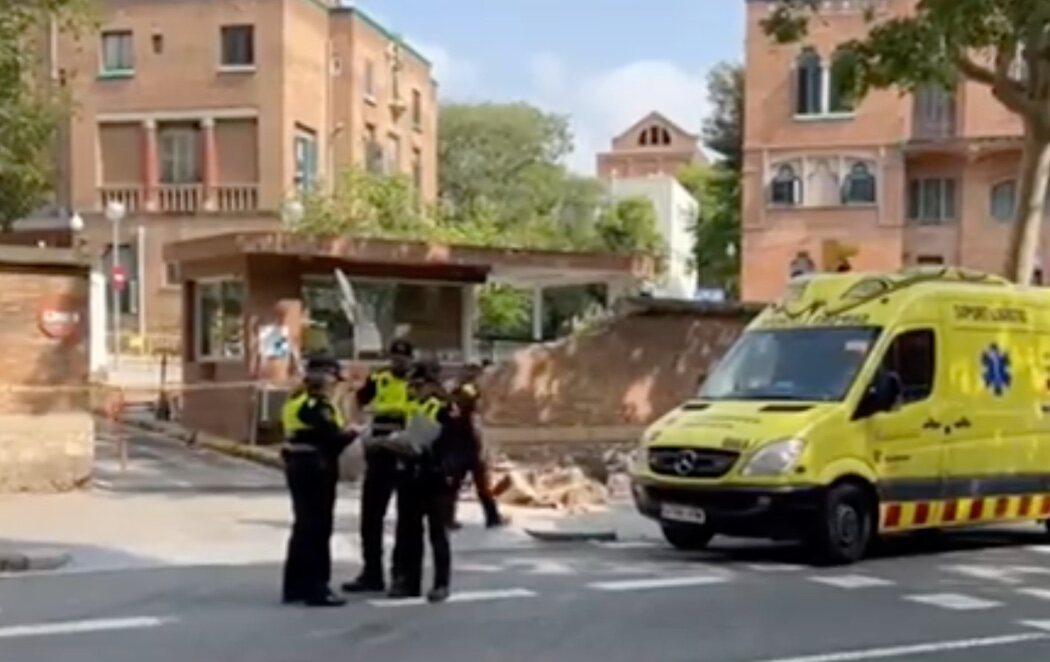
[{"x": 973, "y": 597}]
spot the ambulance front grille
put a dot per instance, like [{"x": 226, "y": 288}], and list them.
[{"x": 691, "y": 462}]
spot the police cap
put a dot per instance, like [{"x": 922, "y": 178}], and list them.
[
  {"x": 324, "y": 365},
  {"x": 428, "y": 371},
  {"x": 402, "y": 348}
]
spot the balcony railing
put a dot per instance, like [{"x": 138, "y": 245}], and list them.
[
  {"x": 183, "y": 198},
  {"x": 934, "y": 114},
  {"x": 180, "y": 198},
  {"x": 129, "y": 195}
]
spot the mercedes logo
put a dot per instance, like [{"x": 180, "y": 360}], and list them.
[{"x": 685, "y": 463}]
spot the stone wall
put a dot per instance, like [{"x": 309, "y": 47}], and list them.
[
  {"x": 607, "y": 383},
  {"x": 46, "y": 430}
]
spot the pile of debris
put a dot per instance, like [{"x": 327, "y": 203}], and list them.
[{"x": 568, "y": 484}]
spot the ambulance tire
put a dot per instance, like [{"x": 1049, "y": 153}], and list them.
[
  {"x": 686, "y": 537},
  {"x": 845, "y": 525}
]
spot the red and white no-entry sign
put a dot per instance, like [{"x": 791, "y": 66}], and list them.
[{"x": 120, "y": 277}]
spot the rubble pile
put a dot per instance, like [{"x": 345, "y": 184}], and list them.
[{"x": 569, "y": 484}]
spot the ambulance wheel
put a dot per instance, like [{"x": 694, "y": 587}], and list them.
[
  {"x": 845, "y": 525},
  {"x": 687, "y": 537}
]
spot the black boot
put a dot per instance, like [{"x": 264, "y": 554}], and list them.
[
  {"x": 402, "y": 589},
  {"x": 438, "y": 594},
  {"x": 364, "y": 584}
]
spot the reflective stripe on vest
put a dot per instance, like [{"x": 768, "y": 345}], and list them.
[{"x": 391, "y": 394}]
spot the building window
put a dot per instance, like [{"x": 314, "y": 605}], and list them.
[
  {"x": 118, "y": 52},
  {"x": 840, "y": 96},
  {"x": 933, "y": 112},
  {"x": 305, "y": 146},
  {"x": 220, "y": 319},
  {"x": 417, "y": 109},
  {"x": 786, "y": 187},
  {"x": 238, "y": 46},
  {"x": 809, "y": 83},
  {"x": 172, "y": 274},
  {"x": 1004, "y": 201},
  {"x": 370, "y": 79},
  {"x": 417, "y": 169},
  {"x": 373, "y": 151},
  {"x": 932, "y": 199},
  {"x": 858, "y": 188},
  {"x": 393, "y": 155},
  {"x": 179, "y": 163}
]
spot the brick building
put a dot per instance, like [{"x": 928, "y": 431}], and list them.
[
  {"x": 203, "y": 117},
  {"x": 654, "y": 145},
  {"x": 894, "y": 180}
]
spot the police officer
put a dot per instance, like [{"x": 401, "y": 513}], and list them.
[
  {"x": 385, "y": 394},
  {"x": 314, "y": 439},
  {"x": 424, "y": 493},
  {"x": 467, "y": 451}
]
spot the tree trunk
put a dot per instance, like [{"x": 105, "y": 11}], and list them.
[{"x": 1031, "y": 207}]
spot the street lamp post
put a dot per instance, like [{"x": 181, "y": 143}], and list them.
[{"x": 115, "y": 212}]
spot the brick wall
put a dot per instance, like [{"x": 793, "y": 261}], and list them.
[
  {"x": 616, "y": 377},
  {"x": 46, "y": 431}
]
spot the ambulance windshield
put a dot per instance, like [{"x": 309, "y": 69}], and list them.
[{"x": 807, "y": 364}]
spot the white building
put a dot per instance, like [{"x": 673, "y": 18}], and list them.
[{"x": 676, "y": 213}]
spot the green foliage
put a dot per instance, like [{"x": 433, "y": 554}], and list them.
[
  {"x": 504, "y": 312},
  {"x": 627, "y": 226},
  {"x": 31, "y": 106},
  {"x": 717, "y": 187},
  {"x": 943, "y": 42}
]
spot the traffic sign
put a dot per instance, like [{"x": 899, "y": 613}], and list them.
[{"x": 120, "y": 277}]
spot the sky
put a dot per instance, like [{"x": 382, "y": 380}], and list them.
[{"x": 605, "y": 63}]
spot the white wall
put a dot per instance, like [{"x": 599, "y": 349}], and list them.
[{"x": 676, "y": 211}]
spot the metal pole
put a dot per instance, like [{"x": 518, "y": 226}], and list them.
[{"x": 116, "y": 290}]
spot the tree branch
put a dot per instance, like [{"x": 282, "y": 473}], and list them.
[{"x": 1005, "y": 89}]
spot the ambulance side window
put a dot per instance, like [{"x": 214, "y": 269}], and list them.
[{"x": 912, "y": 357}]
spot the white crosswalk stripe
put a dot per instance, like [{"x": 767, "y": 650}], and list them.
[
  {"x": 656, "y": 583},
  {"x": 853, "y": 581},
  {"x": 1041, "y": 593},
  {"x": 463, "y": 596},
  {"x": 955, "y": 601}
]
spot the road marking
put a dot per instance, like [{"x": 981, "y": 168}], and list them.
[
  {"x": 657, "y": 582},
  {"x": 77, "y": 627},
  {"x": 103, "y": 483},
  {"x": 955, "y": 601},
  {"x": 775, "y": 567},
  {"x": 1042, "y": 549},
  {"x": 1041, "y": 593},
  {"x": 916, "y": 649},
  {"x": 626, "y": 544},
  {"x": 1038, "y": 625},
  {"x": 465, "y": 596},
  {"x": 853, "y": 581}
]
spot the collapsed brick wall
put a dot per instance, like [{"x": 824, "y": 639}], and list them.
[{"x": 627, "y": 371}]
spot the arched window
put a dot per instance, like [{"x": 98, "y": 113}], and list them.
[
  {"x": 1004, "y": 201},
  {"x": 786, "y": 187},
  {"x": 858, "y": 187},
  {"x": 643, "y": 139},
  {"x": 665, "y": 137},
  {"x": 809, "y": 83},
  {"x": 840, "y": 94}
]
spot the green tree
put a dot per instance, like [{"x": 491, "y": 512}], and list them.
[
  {"x": 31, "y": 105},
  {"x": 717, "y": 186},
  {"x": 629, "y": 226},
  {"x": 1001, "y": 44},
  {"x": 365, "y": 204},
  {"x": 507, "y": 155}
]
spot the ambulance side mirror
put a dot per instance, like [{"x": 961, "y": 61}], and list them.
[{"x": 883, "y": 394}]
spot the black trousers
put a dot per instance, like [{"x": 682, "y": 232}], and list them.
[
  {"x": 312, "y": 480},
  {"x": 423, "y": 500},
  {"x": 479, "y": 473},
  {"x": 381, "y": 478}
]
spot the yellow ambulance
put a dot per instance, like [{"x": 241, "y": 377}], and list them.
[{"x": 860, "y": 405}]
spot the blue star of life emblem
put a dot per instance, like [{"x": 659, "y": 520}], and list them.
[{"x": 996, "y": 369}]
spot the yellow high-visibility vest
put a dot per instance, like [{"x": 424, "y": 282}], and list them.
[
  {"x": 391, "y": 397},
  {"x": 290, "y": 414},
  {"x": 429, "y": 407}
]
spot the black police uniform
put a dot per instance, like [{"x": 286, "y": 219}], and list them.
[
  {"x": 424, "y": 494},
  {"x": 386, "y": 392},
  {"x": 468, "y": 457},
  {"x": 315, "y": 438}
]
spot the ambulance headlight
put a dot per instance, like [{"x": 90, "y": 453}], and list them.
[{"x": 775, "y": 458}]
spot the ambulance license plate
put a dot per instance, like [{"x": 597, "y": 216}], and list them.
[{"x": 687, "y": 514}]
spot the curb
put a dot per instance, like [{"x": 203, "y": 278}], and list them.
[
  {"x": 608, "y": 535},
  {"x": 211, "y": 443},
  {"x": 33, "y": 561}
]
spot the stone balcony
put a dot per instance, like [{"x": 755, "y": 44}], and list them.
[{"x": 182, "y": 198}]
